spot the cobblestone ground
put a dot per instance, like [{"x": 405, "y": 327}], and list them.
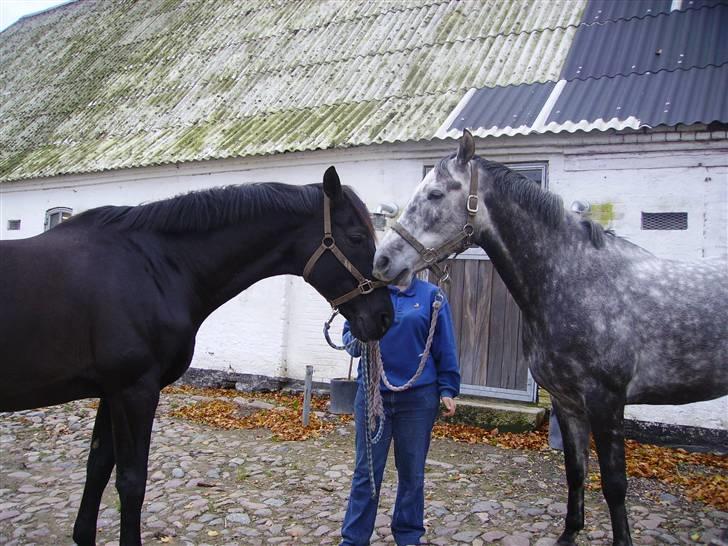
[{"x": 211, "y": 486}]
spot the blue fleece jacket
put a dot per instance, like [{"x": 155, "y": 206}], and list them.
[{"x": 405, "y": 340}]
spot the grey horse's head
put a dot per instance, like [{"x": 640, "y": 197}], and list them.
[{"x": 435, "y": 213}]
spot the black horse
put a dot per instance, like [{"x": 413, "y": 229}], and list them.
[{"x": 108, "y": 303}]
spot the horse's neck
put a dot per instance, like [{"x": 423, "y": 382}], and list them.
[
  {"x": 224, "y": 262},
  {"x": 522, "y": 250}
]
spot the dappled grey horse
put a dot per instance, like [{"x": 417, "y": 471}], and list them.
[{"x": 605, "y": 323}]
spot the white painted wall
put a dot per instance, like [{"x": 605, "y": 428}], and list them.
[
  {"x": 274, "y": 328},
  {"x": 692, "y": 181}
]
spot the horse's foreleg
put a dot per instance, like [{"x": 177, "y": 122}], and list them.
[
  {"x": 575, "y": 431},
  {"x": 98, "y": 470},
  {"x": 132, "y": 413},
  {"x": 607, "y": 422}
]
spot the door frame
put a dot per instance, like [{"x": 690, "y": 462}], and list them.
[{"x": 531, "y": 393}]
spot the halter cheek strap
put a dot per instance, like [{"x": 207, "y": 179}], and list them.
[
  {"x": 456, "y": 244},
  {"x": 328, "y": 242}
]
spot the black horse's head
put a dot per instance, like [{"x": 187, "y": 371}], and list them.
[{"x": 369, "y": 314}]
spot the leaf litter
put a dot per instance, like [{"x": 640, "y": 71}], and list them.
[{"x": 700, "y": 476}]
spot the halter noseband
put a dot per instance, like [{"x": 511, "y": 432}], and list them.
[
  {"x": 328, "y": 242},
  {"x": 456, "y": 244}
]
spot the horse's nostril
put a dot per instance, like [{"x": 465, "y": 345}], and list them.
[
  {"x": 382, "y": 263},
  {"x": 385, "y": 320}
]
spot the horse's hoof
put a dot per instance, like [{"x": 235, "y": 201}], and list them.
[{"x": 567, "y": 539}]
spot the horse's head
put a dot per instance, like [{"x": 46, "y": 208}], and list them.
[
  {"x": 368, "y": 309},
  {"x": 434, "y": 216}
]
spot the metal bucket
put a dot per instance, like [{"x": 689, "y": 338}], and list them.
[{"x": 343, "y": 393}]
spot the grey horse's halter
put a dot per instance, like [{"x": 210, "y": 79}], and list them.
[
  {"x": 328, "y": 242},
  {"x": 457, "y": 244}
]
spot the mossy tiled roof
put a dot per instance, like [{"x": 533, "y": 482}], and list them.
[{"x": 95, "y": 85}]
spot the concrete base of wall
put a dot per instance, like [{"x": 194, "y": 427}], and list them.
[
  {"x": 507, "y": 417},
  {"x": 503, "y": 416},
  {"x": 245, "y": 382},
  {"x": 686, "y": 437}
]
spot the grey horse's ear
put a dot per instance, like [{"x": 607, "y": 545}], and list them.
[
  {"x": 332, "y": 184},
  {"x": 466, "y": 149}
]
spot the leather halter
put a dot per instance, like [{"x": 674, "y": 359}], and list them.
[
  {"x": 456, "y": 244},
  {"x": 328, "y": 242}
]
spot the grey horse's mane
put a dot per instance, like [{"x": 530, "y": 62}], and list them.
[{"x": 546, "y": 206}]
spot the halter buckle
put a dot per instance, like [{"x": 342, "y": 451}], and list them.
[
  {"x": 366, "y": 286},
  {"x": 328, "y": 241},
  {"x": 472, "y": 204},
  {"x": 429, "y": 255}
]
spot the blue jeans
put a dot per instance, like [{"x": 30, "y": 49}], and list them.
[{"x": 409, "y": 417}]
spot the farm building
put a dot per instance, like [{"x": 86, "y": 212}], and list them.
[{"x": 619, "y": 107}]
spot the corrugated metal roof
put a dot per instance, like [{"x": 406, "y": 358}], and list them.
[
  {"x": 102, "y": 84},
  {"x": 661, "y": 98},
  {"x": 600, "y": 11},
  {"x": 668, "y": 41},
  {"x": 503, "y": 110},
  {"x": 631, "y": 65}
]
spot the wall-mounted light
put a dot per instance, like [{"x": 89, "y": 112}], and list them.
[
  {"x": 382, "y": 212},
  {"x": 581, "y": 207}
]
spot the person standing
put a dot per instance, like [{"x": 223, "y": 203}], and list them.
[{"x": 409, "y": 415}]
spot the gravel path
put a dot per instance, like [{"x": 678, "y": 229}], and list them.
[{"x": 211, "y": 486}]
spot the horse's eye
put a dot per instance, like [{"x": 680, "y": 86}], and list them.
[
  {"x": 356, "y": 238},
  {"x": 434, "y": 195}
]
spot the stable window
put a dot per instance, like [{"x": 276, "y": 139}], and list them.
[
  {"x": 13, "y": 225},
  {"x": 55, "y": 216}
]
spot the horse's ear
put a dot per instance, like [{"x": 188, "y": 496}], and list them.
[
  {"x": 466, "y": 149},
  {"x": 332, "y": 184}
]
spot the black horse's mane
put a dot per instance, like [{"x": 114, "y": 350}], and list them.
[
  {"x": 206, "y": 210},
  {"x": 547, "y": 206}
]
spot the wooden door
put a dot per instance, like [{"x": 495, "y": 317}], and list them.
[{"x": 487, "y": 324}]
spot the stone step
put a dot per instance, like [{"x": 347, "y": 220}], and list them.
[{"x": 506, "y": 417}]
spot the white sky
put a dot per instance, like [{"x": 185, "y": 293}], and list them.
[{"x": 12, "y": 10}]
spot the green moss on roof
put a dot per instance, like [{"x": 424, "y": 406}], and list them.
[{"x": 109, "y": 84}]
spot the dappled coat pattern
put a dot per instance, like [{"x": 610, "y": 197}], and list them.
[{"x": 606, "y": 323}]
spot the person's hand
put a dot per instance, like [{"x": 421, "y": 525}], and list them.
[{"x": 450, "y": 406}]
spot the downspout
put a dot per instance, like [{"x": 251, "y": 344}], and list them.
[{"x": 285, "y": 326}]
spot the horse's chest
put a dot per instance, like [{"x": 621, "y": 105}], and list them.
[{"x": 550, "y": 367}]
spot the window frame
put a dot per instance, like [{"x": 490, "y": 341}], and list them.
[
  {"x": 477, "y": 253},
  {"x": 64, "y": 212}
]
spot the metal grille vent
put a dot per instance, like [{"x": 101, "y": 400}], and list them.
[
  {"x": 13, "y": 225},
  {"x": 664, "y": 220}
]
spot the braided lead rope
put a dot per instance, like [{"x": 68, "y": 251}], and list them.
[
  {"x": 374, "y": 394},
  {"x": 369, "y": 415}
]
